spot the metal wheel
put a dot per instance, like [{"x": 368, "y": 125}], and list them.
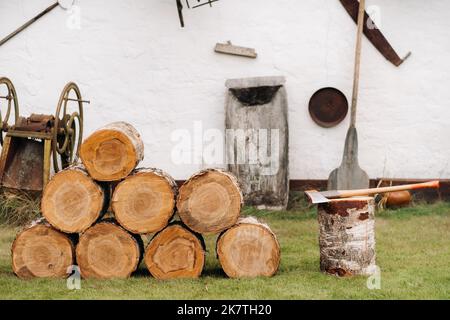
[
  {"x": 67, "y": 135},
  {"x": 11, "y": 97}
]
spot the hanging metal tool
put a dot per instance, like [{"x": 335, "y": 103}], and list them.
[
  {"x": 66, "y": 4},
  {"x": 200, "y": 3},
  {"x": 374, "y": 34}
]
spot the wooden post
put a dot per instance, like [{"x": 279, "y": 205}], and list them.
[
  {"x": 257, "y": 140},
  {"x": 347, "y": 236},
  {"x": 40, "y": 251}
]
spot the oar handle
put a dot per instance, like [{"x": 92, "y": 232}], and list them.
[{"x": 368, "y": 192}]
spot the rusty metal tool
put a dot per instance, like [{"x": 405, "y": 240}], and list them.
[
  {"x": 200, "y": 4},
  {"x": 374, "y": 34},
  {"x": 327, "y": 196},
  {"x": 30, "y": 143},
  {"x": 63, "y": 4},
  {"x": 350, "y": 175}
]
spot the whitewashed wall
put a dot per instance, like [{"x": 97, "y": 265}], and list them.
[{"x": 135, "y": 63}]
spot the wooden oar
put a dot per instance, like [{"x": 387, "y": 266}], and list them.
[{"x": 349, "y": 175}]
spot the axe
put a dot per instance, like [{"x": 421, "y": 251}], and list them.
[{"x": 327, "y": 196}]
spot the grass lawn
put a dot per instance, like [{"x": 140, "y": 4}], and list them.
[{"x": 413, "y": 252}]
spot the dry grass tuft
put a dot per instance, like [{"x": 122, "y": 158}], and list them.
[{"x": 18, "y": 208}]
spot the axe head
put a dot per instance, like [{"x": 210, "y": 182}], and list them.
[{"x": 316, "y": 197}]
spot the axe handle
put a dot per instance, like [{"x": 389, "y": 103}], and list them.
[{"x": 367, "y": 192}]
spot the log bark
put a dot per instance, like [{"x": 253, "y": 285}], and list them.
[
  {"x": 108, "y": 251},
  {"x": 249, "y": 249},
  {"x": 41, "y": 251},
  {"x": 145, "y": 201},
  {"x": 210, "y": 201},
  {"x": 347, "y": 236},
  {"x": 112, "y": 152},
  {"x": 174, "y": 253},
  {"x": 72, "y": 201}
]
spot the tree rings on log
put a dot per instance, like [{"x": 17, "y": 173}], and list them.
[
  {"x": 210, "y": 201},
  {"x": 107, "y": 251},
  {"x": 41, "y": 251},
  {"x": 249, "y": 249},
  {"x": 72, "y": 201},
  {"x": 145, "y": 201},
  {"x": 174, "y": 253},
  {"x": 112, "y": 152},
  {"x": 347, "y": 236}
]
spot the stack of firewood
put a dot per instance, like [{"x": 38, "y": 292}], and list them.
[{"x": 96, "y": 212}]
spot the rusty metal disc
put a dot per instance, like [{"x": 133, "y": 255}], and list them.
[{"x": 328, "y": 107}]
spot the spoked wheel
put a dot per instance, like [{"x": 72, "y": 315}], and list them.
[
  {"x": 67, "y": 135},
  {"x": 12, "y": 101}
]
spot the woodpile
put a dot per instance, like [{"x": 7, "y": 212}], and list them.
[
  {"x": 249, "y": 249},
  {"x": 107, "y": 204},
  {"x": 347, "y": 236}
]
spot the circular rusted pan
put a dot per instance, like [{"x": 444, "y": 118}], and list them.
[{"x": 328, "y": 107}]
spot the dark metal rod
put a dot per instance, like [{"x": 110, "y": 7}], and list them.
[
  {"x": 26, "y": 25},
  {"x": 77, "y": 100},
  {"x": 203, "y": 4}
]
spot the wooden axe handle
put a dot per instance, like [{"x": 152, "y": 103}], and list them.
[{"x": 367, "y": 192}]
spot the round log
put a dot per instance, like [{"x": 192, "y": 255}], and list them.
[
  {"x": 210, "y": 201},
  {"x": 72, "y": 201},
  {"x": 347, "y": 236},
  {"x": 249, "y": 249},
  {"x": 107, "y": 251},
  {"x": 112, "y": 152},
  {"x": 175, "y": 252},
  {"x": 145, "y": 201},
  {"x": 41, "y": 251}
]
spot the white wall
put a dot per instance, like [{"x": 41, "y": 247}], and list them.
[{"x": 135, "y": 63}]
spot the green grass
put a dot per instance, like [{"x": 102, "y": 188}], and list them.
[{"x": 413, "y": 252}]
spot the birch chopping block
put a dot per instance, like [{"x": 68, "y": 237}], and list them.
[
  {"x": 347, "y": 236},
  {"x": 257, "y": 145}
]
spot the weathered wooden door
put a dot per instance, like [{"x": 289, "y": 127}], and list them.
[{"x": 257, "y": 139}]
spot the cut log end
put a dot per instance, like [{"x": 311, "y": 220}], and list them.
[
  {"x": 249, "y": 249},
  {"x": 175, "y": 252},
  {"x": 145, "y": 201},
  {"x": 42, "y": 252},
  {"x": 107, "y": 251},
  {"x": 210, "y": 201},
  {"x": 112, "y": 152},
  {"x": 347, "y": 236},
  {"x": 72, "y": 201}
]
